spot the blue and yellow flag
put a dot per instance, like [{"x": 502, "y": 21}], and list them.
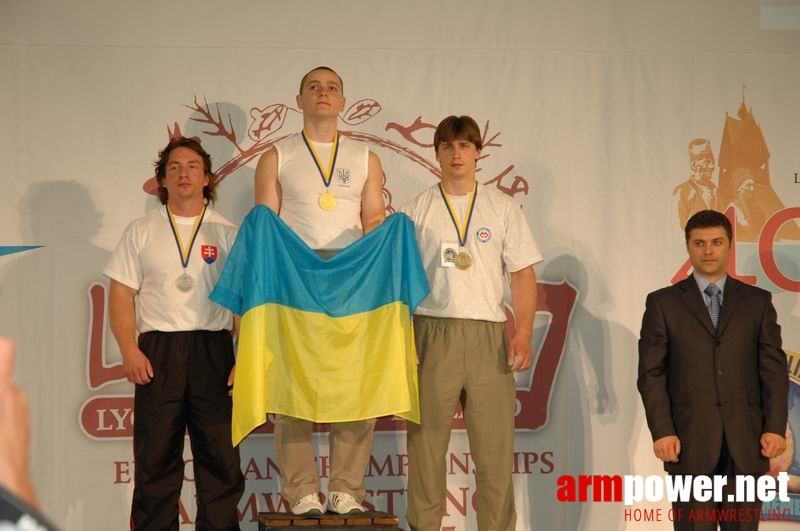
[{"x": 323, "y": 340}]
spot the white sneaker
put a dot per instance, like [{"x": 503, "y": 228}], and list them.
[
  {"x": 308, "y": 505},
  {"x": 343, "y": 503}
]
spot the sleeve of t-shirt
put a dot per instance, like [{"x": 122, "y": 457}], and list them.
[
  {"x": 519, "y": 247},
  {"x": 409, "y": 208},
  {"x": 125, "y": 264},
  {"x": 231, "y": 233}
]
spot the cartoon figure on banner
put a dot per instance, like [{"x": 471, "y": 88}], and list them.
[
  {"x": 748, "y": 214},
  {"x": 744, "y": 180},
  {"x": 699, "y": 192}
]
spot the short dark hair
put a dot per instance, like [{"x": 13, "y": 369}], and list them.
[
  {"x": 706, "y": 219},
  {"x": 457, "y": 128},
  {"x": 329, "y": 69},
  {"x": 209, "y": 190}
]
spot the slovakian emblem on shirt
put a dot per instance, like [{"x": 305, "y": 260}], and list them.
[
  {"x": 484, "y": 234},
  {"x": 209, "y": 253},
  {"x": 343, "y": 176}
]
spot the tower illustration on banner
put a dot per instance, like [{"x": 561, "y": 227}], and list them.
[
  {"x": 744, "y": 186},
  {"x": 110, "y": 416}
]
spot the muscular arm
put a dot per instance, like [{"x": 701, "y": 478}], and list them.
[
  {"x": 122, "y": 315},
  {"x": 372, "y": 208},
  {"x": 652, "y": 383},
  {"x": 267, "y": 186},
  {"x": 523, "y": 300}
]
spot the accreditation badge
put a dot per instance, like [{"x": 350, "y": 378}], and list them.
[{"x": 448, "y": 254}]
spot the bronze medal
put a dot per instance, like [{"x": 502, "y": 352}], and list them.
[{"x": 463, "y": 260}]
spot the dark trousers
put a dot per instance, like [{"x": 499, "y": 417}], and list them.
[
  {"x": 725, "y": 467},
  {"x": 188, "y": 391}
]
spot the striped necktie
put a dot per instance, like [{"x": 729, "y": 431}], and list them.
[{"x": 712, "y": 290}]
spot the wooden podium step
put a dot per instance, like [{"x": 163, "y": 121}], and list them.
[{"x": 368, "y": 521}]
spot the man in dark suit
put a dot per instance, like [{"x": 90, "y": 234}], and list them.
[{"x": 712, "y": 374}]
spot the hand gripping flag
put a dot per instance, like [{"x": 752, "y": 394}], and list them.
[{"x": 323, "y": 340}]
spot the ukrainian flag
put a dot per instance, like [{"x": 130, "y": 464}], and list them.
[{"x": 323, "y": 340}]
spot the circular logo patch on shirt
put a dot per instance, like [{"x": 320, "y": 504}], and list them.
[{"x": 484, "y": 234}]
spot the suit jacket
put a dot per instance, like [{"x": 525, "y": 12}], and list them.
[{"x": 703, "y": 385}]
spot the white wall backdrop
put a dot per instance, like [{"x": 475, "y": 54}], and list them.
[{"x": 588, "y": 109}]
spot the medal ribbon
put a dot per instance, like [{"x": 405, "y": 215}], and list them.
[
  {"x": 326, "y": 176},
  {"x": 462, "y": 233},
  {"x": 195, "y": 230}
]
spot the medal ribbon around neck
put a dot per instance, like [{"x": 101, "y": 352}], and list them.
[
  {"x": 462, "y": 233},
  {"x": 195, "y": 230},
  {"x": 326, "y": 176}
]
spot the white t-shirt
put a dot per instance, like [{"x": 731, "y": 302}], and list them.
[
  {"x": 301, "y": 186},
  {"x": 147, "y": 260},
  {"x": 499, "y": 241}
]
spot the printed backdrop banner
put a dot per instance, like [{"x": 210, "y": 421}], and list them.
[{"x": 608, "y": 121}]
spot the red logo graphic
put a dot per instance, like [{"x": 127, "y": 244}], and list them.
[
  {"x": 267, "y": 121},
  {"x": 209, "y": 253}
]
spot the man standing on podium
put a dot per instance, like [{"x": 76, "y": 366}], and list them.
[
  {"x": 161, "y": 274},
  {"x": 328, "y": 190},
  {"x": 471, "y": 237}
]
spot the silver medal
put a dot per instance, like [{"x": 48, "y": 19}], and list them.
[{"x": 184, "y": 283}]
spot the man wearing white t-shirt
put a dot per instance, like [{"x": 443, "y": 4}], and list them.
[
  {"x": 328, "y": 188},
  {"x": 162, "y": 272},
  {"x": 470, "y": 237}
]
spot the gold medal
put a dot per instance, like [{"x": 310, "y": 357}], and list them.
[
  {"x": 463, "y": 260},
  {"x": 327, "y": 201}
]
